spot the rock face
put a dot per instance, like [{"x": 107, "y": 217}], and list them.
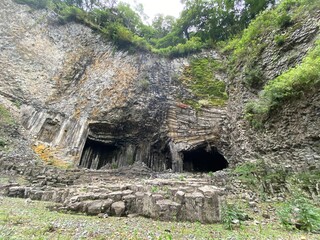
[
  {"x": 100, "y": 108},
  {"x": 97, "y": 107},
  {"x": 290, "y": 137}
]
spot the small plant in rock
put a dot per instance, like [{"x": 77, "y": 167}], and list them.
[
  {"x": 2, "y": 143},
  {"x": 181, "y": 178},
  {"x": 253, "y": 77},
  {"x": 284, "y": 21},
  {"x": 144, "y": 84},
  {"x": 114, "y": 166},
  {"x": 210, "y": 174},
  {"x": 300, "y": 213},
  {"x": 154, "y": 189},
  {"x": 232, "y": 215},
  {"x": 280, "y": 40},
  {"x": 246, "y": 172}
]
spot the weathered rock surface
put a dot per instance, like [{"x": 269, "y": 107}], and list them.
[
  {"x": 96, "y": 107},
  {"x": 105, "y": 193},
  {"x": 87, "y": 104},
  {"x": 290, "y": 137}
]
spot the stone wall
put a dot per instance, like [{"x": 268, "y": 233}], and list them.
[{"x": 105, "y": 193}]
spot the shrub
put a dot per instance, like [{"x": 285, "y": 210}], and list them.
[
  {"x": 284, "y": 20},
  {"x": 307, "y": 182},
  {"x": 119, "y": 35},
  {"x": 291, "y": 84},
  {"x": 253, "y": 77},
  {"x": 72, "y": 13},
  {"x": 2, "y": 143},
  {"x": 261, "y": 178},
  {"x": 256, "y": 112},
  {"x": 300, "y": 213},
  {"x": 230, "y": 214},
  {"x": 280, "y": 40}
]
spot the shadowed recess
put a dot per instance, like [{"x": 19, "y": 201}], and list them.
[
  {"x": 95, "y": 154},
  {"x": 203, "y": 159}
]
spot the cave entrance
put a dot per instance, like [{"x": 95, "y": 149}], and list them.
[
  {"x": 203, "y": 159},
  {"x": 96, "y": 155}
]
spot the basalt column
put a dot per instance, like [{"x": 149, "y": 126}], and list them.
[{"x": 108, "y": 147}]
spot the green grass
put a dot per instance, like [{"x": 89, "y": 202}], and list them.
[
  {"x": 21, "y": 220},
  {"x": 5, "y": 116}
]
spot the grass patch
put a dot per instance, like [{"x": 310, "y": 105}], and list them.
[
  {"x": 5, "y": 116},
  {"x": 19, "y": 220}
]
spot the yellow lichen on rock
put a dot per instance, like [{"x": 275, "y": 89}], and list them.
[{"x": 46, "y": 154}]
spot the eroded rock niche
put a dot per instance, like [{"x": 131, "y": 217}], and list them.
[
  {"x": 98, "y": 154},
  {"x": 108, "y": 147},
  {"x": 203, "y": 159}
]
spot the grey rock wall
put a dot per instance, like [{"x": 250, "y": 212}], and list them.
[
  {"x": 77, "y": 92},
  {"x": 79, "y": 95},
  {"x": 290, "y": 136}
]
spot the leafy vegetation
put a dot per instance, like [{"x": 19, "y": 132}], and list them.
[
  {"x": 201, "y": 23},
  {"x": 300, "y": 213},
  {"x": 301, "y": 210},
  {"x": 199, "y": 77},
  {"x": 248, "y": 46},
  {"x": 261, "y": 178},
  {"x": 231, "y": 214}
]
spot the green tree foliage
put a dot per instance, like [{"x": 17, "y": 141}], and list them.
[
  {"x": 219, "y": 19},
  {"x": 162, "y": 25},
  {"x": 201, "y": 21}
]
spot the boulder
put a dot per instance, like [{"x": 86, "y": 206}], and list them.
[{"x": 118, "y": 208}]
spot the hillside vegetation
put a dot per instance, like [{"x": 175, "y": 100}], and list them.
[{"x": 201, "y": 23}]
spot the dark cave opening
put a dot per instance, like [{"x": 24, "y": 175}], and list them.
[
  {"x": 96, "y": 155},
  {"x": 203, "y": 160}
]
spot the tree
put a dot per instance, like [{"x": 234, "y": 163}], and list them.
[
  {"x": 219, "y": 19},
  {"x": 163, "y": 25}
]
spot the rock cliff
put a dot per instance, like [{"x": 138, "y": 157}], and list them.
[{"x": 86, "y": 103}]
